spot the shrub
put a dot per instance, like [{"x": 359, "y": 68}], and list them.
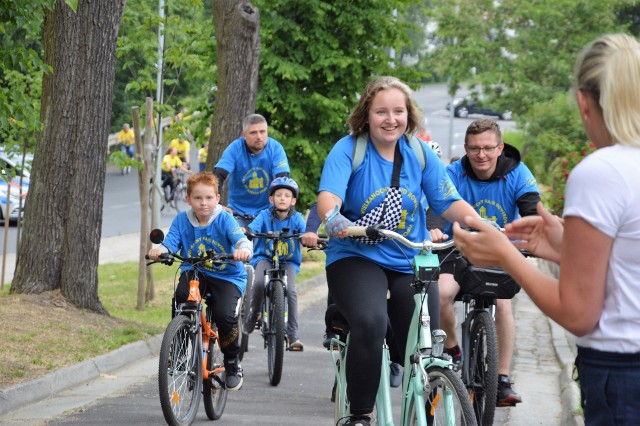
[{"x": 556, "y": 142}]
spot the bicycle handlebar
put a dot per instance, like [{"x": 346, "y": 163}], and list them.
[
  {"x": 375, "y": 232},
  {"x": 215, "y": 258}
]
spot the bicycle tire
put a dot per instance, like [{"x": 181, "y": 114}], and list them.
[
  {"x": 483, "y": 367},
  {"x": 441, "y": 381},
  {"x": 245, "y": 307},
  {"x": 214, "y": 392},
  {"x": 180, "y": 372},
  {"x": 276, "y": 332}
]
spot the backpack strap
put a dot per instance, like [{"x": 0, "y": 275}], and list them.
[
  {"x": 360, "y": 147},
  {"x": 418, "y": 148}
]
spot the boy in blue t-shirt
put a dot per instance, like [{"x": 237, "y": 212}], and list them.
[
  {"x": 204, "y": 227},
  {"x": 283, "y": 192}
]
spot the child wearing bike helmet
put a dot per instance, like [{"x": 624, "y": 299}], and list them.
[
  {"x": 207, "y": 226},
  {"x": 283, "y": 192}
]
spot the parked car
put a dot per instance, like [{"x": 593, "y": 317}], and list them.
[
  {"x": 14, "y": 201},
  {"x": 11, "y": 176},
  {"x": 467, "y": 105}
]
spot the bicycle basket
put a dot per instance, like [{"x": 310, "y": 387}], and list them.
[{"x": 488, "y": 282}]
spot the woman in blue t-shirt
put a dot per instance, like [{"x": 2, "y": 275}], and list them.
[{"x": 360, "y": 274}]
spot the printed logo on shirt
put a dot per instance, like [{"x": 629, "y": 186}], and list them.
[
  {"x": 407, "y": 215},
  {"x": 285, "y": 249},
  {"x": 282, "y": 165},
  {"x": 490, "y": 210},
  {"x": 256, "y": 181},
  {"x": 447, "y": 188},
  {"x": 203, "y": 244},
  {"x": 531, "y": 181}
]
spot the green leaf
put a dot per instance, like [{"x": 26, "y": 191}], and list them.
[{"x": 73, "y": 4}]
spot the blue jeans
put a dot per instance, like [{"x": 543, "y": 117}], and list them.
[{"x": 610, "y": 385}]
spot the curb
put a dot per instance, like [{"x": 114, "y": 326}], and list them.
[
  {"x": 18, "y": 396},
  {"x": 566, "y": 354},
  {"x": 23, "y": 394}
]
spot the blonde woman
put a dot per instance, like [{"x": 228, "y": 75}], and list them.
[{"x": 597, "y": 294}]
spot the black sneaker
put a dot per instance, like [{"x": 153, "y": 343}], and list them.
[
  {"x": 358, "y": 421},
  {"x": 456, "y": 356},
  {"x": 507, "y": 397},
  {"x": 395, "y": 375},
  {"x": 233, "y": 376}
]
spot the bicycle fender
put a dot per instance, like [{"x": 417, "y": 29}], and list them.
[{"x": 437, "y": 362}]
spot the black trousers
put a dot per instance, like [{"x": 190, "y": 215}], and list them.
[
  {"x": 224, "y": 298},
  {"x": 359, "y": 288}
]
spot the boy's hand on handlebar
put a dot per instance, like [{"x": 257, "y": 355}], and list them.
[
  {"x": 155, "y": 253},
  {"x": 242, "y": 255},
  {"x": 309, "y": 239}
]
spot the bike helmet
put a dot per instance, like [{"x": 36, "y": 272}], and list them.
[
  {"x": 284, "y": 182},
  {"x": 435, "y": 147}
]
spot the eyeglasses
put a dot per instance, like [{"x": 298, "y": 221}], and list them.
[{"x": 487, "y": 150}]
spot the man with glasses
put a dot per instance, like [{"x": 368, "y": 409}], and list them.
[{"x": 500, "y": 188}]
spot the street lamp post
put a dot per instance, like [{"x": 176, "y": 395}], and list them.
[{"x": 155, "y": 217}]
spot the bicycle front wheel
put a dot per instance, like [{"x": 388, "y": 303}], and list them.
[
  {"x": 180, "y": 372},
  {"x": 214, "y": 393},
  {"x": 275, "y": 334},
  {"x": 483, "y": 367},
  {"x": 446, "y": 402}
]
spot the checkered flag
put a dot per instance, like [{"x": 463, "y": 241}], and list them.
[{"x": 387, "y": 214}]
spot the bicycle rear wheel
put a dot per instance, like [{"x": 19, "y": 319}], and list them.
[
  {"x": 276, "y": 332},
  {"x": 245, "y": 307},
  {"x": 446, "y": 402},
  {"x": 483, "y": 367},
  {"x": 180, "y": 372},
  {"x": 214, "y": 393}
]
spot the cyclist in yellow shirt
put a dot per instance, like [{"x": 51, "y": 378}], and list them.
[
  {"x": 183, "y": 147},
  {"x": 202, "y": 156},
  {"x": 126, "y": 139},
  {"x": 170, "y": 164}
]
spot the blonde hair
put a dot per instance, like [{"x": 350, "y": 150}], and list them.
[
  {"x": 609, "y": 71},
  {"x": 359, "y": 119}
]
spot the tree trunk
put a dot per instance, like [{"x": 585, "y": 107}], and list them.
[
  {"x": 62, "y": 228},
  {"x": 237, "y": 26}
]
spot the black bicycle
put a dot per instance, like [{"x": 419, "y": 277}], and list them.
[
  {"x": 244, "y": 305},
  {"x": 479, "y": 290},
  {"x": 274, "y": 312}
]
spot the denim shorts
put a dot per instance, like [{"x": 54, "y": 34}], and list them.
[{"x": 610, "y": 385}]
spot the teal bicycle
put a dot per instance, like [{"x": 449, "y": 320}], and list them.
[{"x": 432, "y": 393}]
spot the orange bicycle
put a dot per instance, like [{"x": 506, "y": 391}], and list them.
[{"x": 191, "y": 363}]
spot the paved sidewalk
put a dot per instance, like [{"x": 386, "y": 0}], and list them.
[{"x": 543, "y": 362}]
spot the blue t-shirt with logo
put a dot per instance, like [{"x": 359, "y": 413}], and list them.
[
  {"x": 289, "y": 250},
  {"x": 250, "y": 174},
  {"x": 496, "y": 199},
  {"x": 220, "y": 235},
  {"x": 366, "y": 188}
]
